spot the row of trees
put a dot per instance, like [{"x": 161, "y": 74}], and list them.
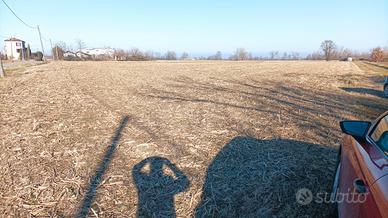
[
  {"x": 330, "y": 51},
  {"x": 136, "y": 54},
  {"x": 242, "y": 54},
  {"x": 133, "y": 54}
]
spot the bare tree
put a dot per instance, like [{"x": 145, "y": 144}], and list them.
[
  {"x": 314, "y": 56},
  {"x": 377, "y": 54},
  {"x": 345, "y": 53},
  {"x": 120, "y": 55},
  {"x": 135, "y": 55},
  {"x": 80, "y": 44},
  {"x": 285, "y": 56},
  {"x": 70, "y": 48},
  {"x": 361, "y": 55},
  {"x": 328, "y": 47},
  {"x": 157, "y": 55},
  {"x": 170, "y": 55},
  {"x": 58, "y": 50},
  {"x": 184, "y": 56},
  {"x": 217, "y": 56},
  {"x": 149, "y": 55},
  {"x": 62, "y": 45},
  {"x": 240, "y": 54},
  {"x": 295, "y": 55},
  {"x": 273, "y": 54}
]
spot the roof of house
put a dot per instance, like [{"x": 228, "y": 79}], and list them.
[
  {"x": 80, "y": 52},
  {"x": 13, "y": 39}
]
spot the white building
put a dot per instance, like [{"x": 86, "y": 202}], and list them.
[
  {"x": 96, "y": 52},
  {"x": 90, "y": 54},
  {"x": 79, "y": 54},
  {"x": 14, "y": 48},
  {"x": 69, "y": 54},
  {"x": 83, "y": 55}
]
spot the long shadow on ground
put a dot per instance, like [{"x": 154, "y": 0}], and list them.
[
  {"x": 259, "y": 178},
  {"x": 362, "y": 90},
  {"x": 311, "y": 109},
  {"x": 100, "y": 171},
  {"x": 376, "y": 65}
]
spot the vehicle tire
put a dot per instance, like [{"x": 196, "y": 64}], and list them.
[
  {"x": 335, "y": 185},
  {"x": 386, "y": 91}
]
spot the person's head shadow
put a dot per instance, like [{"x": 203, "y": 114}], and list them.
[{"x": 157, "y": 181}]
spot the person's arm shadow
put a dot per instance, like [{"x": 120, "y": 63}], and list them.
[{"x": 181, "y": 180}]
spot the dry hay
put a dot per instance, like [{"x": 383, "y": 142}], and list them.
[{"x": 232, "y": 138}]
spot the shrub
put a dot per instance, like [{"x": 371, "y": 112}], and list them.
[
  {"x": 37, "y": 56},
  {"x": 377, "y": 54}
]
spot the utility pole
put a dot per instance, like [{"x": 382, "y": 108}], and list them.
[
  {"x": 11, "y": 52},
  {"x": 22, "y": 50},
  {"x": 52, "y": 52},
  {"x": 41, "y": 42},
  {"x": 1, "y": 66},
  {"x": 56, "y": 51}
]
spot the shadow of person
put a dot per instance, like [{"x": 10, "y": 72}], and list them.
[
  {"x": 260, "y": 178},
  {"x": 157, "y": 181},
  {"x": 363, "y": 90}
]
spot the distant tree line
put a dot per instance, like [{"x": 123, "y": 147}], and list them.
[
  {"x": 136, "y": 54},
  {"x": 330, "y": 51},
  {"x": 241, "y": 54}
]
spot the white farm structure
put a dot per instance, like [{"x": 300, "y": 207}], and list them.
[{"x": 15, "y": 48}]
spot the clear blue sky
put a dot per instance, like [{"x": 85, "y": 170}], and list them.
[{"x": 201, "y": 27}]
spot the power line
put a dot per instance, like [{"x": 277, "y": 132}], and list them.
[
  {"x": 45, "y": 39},
  {"x": 27, "y": 25},
  {"x": 32, "y": 27}
]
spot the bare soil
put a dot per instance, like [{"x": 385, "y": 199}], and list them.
[{"x": 196, "y": 138}]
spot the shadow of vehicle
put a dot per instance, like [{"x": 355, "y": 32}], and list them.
[
  {"x": 157, "y": 181},
  {"x": 260, "y": 178},
  {"x": 377, "y": 65},
  {"x": 368, "y": 91}
]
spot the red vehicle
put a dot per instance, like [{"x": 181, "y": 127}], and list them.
[{"x": 360, "y": 185}]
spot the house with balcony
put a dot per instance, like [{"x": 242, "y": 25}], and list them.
[{"x": 15, "y": 48}]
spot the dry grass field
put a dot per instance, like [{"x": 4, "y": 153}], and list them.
[{"x": 204, "y": 139}]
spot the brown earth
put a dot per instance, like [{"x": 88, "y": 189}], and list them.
[{"x": 232, "y": 138}]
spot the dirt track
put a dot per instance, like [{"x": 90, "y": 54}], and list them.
[{"x": 240, "y": 137}]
